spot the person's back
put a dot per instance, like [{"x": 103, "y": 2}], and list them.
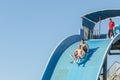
[{"x": 111, "y": 25}]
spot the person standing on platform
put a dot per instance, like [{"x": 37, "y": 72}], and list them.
[{"x": 111, "y": 27}]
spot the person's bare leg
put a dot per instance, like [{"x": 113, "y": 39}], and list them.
[
  {"x": 72, "y": 60},
  {"x": 78, "y": 59},
  {"x": 74, "y": 57},
  {"x": 82, "y": 54}
]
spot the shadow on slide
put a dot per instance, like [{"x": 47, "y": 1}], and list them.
[{"x": 87, "y": 57}]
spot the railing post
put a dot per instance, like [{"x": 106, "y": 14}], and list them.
[
  {"x": 105, "y": 69},
  {"x": 99, "y": 27}
]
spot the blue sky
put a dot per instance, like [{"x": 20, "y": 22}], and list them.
[{"x": 31, "y": 29}]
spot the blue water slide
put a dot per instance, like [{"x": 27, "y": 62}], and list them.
[
  {"x": 88, "y": 68},
  {"x": 57, "y": 53}
]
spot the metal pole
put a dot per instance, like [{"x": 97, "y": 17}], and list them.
[
  {"x": 105, "y": 69},
  {"x": 99, "y": 27}
]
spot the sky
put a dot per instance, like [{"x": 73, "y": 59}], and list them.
[{"x": 31, "y": 29}]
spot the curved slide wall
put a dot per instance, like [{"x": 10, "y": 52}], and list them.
[
  {"x": 60, "y": 68},
  {"x": 54, "y": 58}
]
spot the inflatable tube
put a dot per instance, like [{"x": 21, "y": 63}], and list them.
[{"x": 116, "y": 29}]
